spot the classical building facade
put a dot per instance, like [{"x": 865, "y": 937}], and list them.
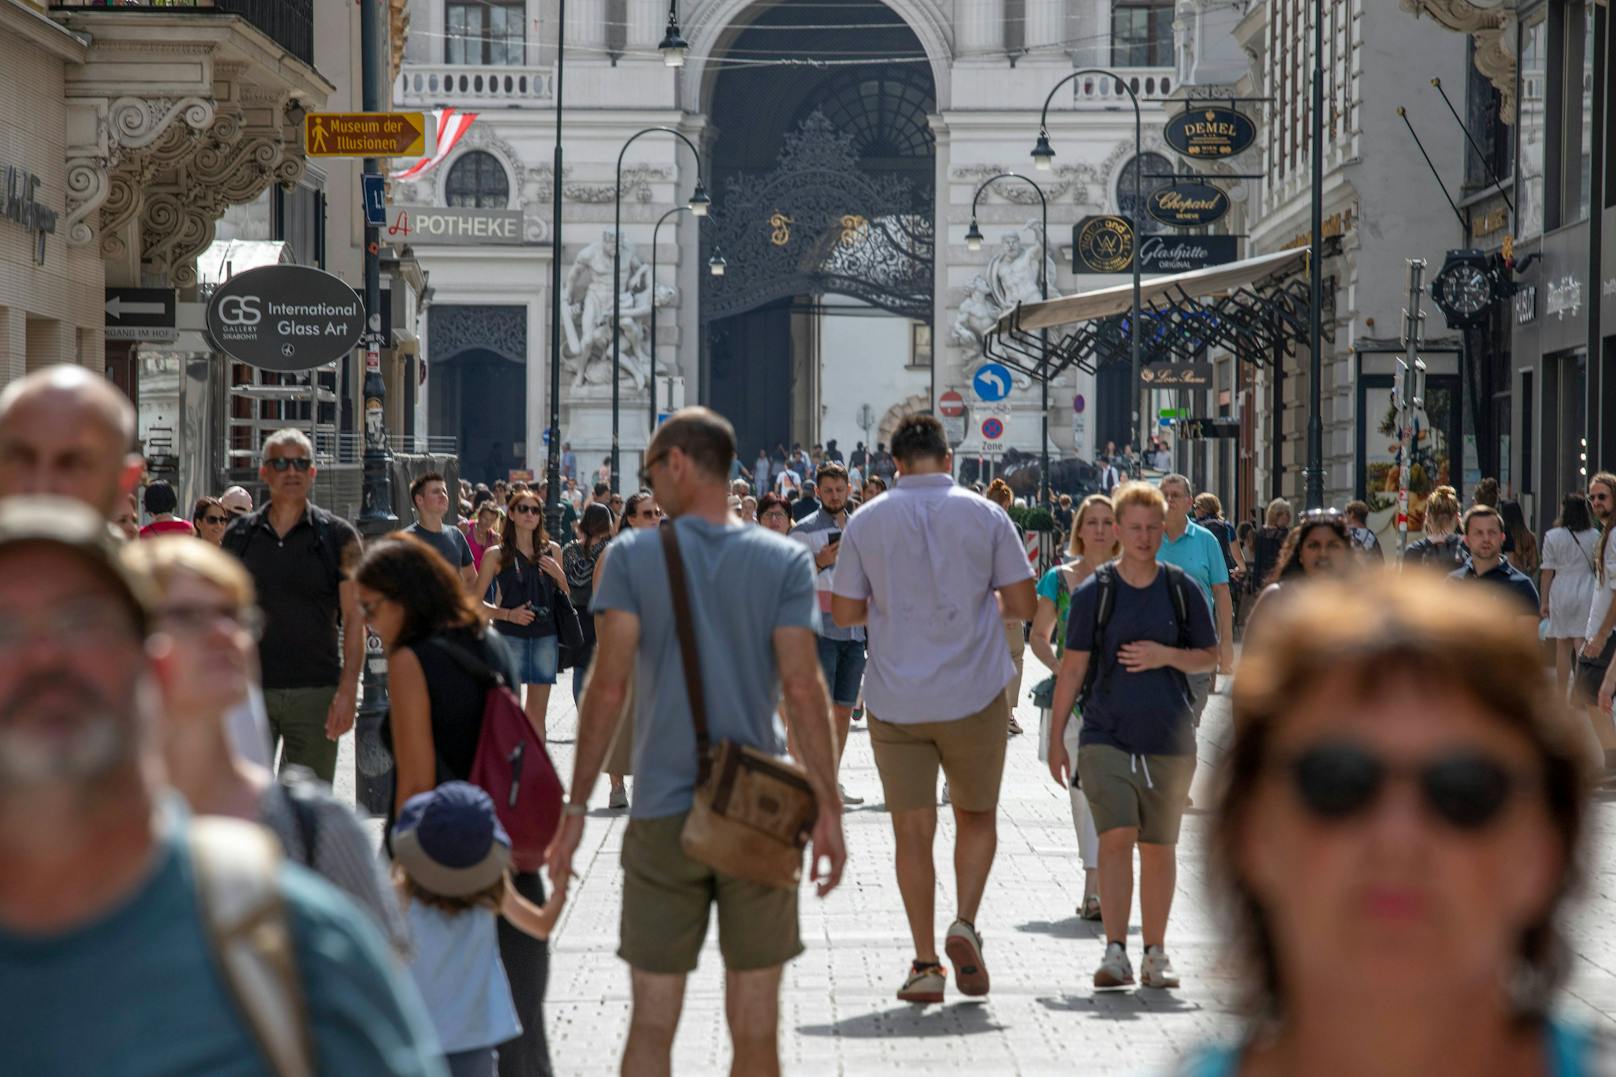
[{"x": 842, "y": 145}]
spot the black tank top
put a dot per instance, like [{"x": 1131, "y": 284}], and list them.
[{"x": 521, "y": 581}]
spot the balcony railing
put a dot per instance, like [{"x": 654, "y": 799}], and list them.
[
  {"x": 1147, "y": 82},
  {"x": 483, "y": 84},
  {"x": 289, "y": 23}
]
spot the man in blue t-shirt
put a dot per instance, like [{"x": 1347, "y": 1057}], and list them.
[
  {"x": 753, "y": 616},
  {"x": 107, "y": 960},
  {"x": 430, "y": 496},
  {"x": 1136, "y": 753}
]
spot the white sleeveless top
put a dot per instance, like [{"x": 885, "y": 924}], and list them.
[{"x": 459, "y": 974}]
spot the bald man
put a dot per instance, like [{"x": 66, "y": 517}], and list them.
[{"x": 67, "y": 431}]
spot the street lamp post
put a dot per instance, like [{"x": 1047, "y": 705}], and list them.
[
  {"x": 552, "y": 469},
  {"x": 973, "y": 241},
  {"x": 697, "y": 205},
  {"x": 1315, "y": 332},
  {"x": 715, "y": 266},
  {"x": 1043, "y": 155}
]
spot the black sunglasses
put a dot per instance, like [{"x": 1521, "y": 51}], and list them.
[
  {"x": 282, "y": 463},
  {"x": 215, "y": 519},
  {"x": 527, "y": 510},
  {"x": 1338, "y": 780}
]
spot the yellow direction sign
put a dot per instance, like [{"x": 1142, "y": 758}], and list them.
[{"x": 365, "y": 134}]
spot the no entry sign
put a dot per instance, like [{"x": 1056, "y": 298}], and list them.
[
  {"x": 951, "y": 405},
  {"x": 992, "y": 428}
]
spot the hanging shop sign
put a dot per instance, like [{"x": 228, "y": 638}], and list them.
[
  {"x": 1102, "y": 244},
  {"x": 285, "y": 317},
  {"x": 442, "y": 225},
  {"x": 1208, "y": 429},
  {"x": 1209, "y": 132},
  {"x": 1187, "y": 203},
  {"x": 1179, "y": 254},
  {"x": 1194, "y": 375}
]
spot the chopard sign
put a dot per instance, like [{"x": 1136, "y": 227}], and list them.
[
  {"x": 1187, "y": 202},
  {"x": 1565, "y": 297}
]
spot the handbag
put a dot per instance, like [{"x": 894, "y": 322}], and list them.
[
  {"x": 512, "y": 764},
  {"x": 751, "y": 814}
]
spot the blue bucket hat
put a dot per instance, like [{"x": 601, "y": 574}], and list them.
[{"x": 450, "y": 842}]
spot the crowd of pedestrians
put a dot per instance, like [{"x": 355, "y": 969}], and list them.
[{"x": 1399, "y": 814}]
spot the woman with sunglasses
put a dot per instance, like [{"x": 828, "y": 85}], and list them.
[
  {"x": 210, "y": 518},
  {"x": 638, "y": 513},
  {"x": 525, "y": 572},
  {"x": 1318, "y": 546},
  {"x": 204, "y": 647},
  {"x": 774, "y": 514},
  {"x": 1399, "y": 823},
  {"x": 483, "y": 532},
  {"x": 428, "y": 626}
]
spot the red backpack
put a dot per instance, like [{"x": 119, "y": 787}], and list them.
[{"x": 512, "y": 765}]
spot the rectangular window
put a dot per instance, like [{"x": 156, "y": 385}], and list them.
[
  {"x": 1142, "y": 34},
  {"x": 1485, "y": 120},
  {"x": 1576, "y": 127},
  {"x": 1532, "y": 124},
  {"x": 483, "y": 32},
  {"x": 920, "y": 345}
]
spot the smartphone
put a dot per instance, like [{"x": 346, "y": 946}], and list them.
[{"x": 835, "y": 537}]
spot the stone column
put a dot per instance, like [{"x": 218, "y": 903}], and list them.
[
  {"x": 1045, "y": 27},
  {"x": 978, "y": 28},
  {"x": 586, "y": 28},
  {"x": 646, "y": 21}
]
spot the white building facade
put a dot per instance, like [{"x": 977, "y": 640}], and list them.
[{"x": 842, "y": 145}]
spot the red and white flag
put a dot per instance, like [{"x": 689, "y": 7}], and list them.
[{"x": 452, "y": 127}]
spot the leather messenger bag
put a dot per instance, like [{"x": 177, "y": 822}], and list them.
[{"x": 752, "y": 813}]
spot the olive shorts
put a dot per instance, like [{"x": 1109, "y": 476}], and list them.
[
  {"x": 970, "y": 750},
  {"x": 666, "y": 901},
  {"x": 1144, "y": 791}
]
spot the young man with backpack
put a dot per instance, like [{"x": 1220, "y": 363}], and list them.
[
  {"x": 299, "y": 557},
  {"x": 1138, "y": 629}
]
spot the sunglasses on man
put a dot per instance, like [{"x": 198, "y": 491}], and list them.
[{"x": 285, "y": 463}]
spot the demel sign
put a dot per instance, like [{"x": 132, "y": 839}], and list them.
[{"x": 285, "y": 318}]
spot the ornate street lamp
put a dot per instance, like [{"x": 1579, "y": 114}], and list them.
[
  {"x": 673, "y": 46},
  {"x": 715, "y": 266},
  {"x": 973, "y": 241},
  {"x": 1043, "y": 155},
  {"x": 698, "y": 205}
]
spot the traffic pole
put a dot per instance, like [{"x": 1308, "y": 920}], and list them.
[
  {"x": 1408, "y": 392},
  {"x": 373, "y": 764}
]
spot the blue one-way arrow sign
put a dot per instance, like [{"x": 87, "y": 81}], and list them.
[{"x": 991, "y": 382}]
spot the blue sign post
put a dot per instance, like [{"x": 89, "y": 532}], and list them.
[
  {"x": 375, "y": 191},
  {"x": 991, "y": 382}
]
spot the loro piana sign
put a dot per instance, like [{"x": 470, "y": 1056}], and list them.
[{"x": 285, "y": 318}]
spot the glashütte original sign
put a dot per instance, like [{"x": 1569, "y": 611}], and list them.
[
  {"x": 1102, "y": 244},
  {"x": 285, "y": 317},
  {"x": 1179, "y": 254},
  {"x": 1187, "y": 202},
  {"x": 1209, "y": 131}
]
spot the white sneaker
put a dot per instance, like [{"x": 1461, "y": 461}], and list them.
[
  {"x": 1115, "y": 971},
  {"x": 1157, "y": 970},
  {"x": 848, "y": 798}
]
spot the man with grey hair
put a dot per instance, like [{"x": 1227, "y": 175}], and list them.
[
  {"x": 222, "y": 959},
  {"x": 300, "y": 558},
  {"x": 1194, "y": 549},
  {"x": 67, "y": 431}
]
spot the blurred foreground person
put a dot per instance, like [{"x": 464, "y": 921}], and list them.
[{"x": 1399, "y": 824}]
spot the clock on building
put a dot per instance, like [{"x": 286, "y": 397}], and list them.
[{"x": 1465, "y": 287}]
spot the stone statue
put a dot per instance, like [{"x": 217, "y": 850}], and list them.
[
  {"x": 1013, "y": 272},
  {"x": 587, "y": 323},
  {"x": 977, "y": 314}
]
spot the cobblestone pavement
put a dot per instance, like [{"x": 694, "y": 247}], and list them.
[{"x": 838, "y": 1013}]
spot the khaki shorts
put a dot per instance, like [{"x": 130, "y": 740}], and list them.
[
  {"x": 1143, "y": 791},
  {"x": 666, "y": 901},
  {"x": 970, "y": 751}
]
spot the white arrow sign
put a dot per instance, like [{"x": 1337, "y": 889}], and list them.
[{"x": 118, "y": 306}]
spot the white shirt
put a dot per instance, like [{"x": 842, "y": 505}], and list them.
[
  {"x": 787, "y": 479},
  {"x": 1602, "y": 594}
]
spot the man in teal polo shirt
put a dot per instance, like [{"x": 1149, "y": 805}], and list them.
[{"x": 1195, "y": 550}]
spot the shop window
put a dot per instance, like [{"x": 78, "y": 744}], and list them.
[
  {"x": 1532, "y": 124},
  {"x": 485, "y": 32},
  {"x": 478, "y": 180}
]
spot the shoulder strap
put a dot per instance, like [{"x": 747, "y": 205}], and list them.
[
  {"x": 300, "y": 787},
  {"x": 688, "y": 655},
  {"x": 1105, "y": 600},
  {"x": 251, "y": 938},
  {"x": 325, "y": 533},
  {"x": 1178, "y": 584},
  {"x": 467, "y": 661}
]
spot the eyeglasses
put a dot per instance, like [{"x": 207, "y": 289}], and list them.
[
  {"x": 84, "y": 624},
  {"x": 1338, "y": 780},
  {"x": 282, "y": 463},
  {"x": 773, "y": 514},
  {"x": 527, "y": 510},
  {"x": 215, "y": 520},
  {"x": 650, "y": 462},
  {"x": 195, "y": 621}
]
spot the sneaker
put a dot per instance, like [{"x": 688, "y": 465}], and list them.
[
  {"x": 848, "y": 798},
  {"x": 1157, "y": 970},
  {"x": 858, "y": 714},
  {"x": 1015, "y": 728},
  {"x": 925, "y": 983},
  {"x": 1115, "y": 971},
  {"x": 618, "y": 800},
  {"x": 964, "y": 948},
  {"x": 1090, "y": 909}
]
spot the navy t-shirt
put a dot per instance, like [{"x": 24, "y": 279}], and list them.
[
  {"x": 1144, "y": 713},
  {"x": 448, "y": 541}
]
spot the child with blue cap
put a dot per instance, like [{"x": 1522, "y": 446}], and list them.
[{"x": 451, "y": 859}]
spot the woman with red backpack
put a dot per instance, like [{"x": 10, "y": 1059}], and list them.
[{"x": 440, "y": 665}]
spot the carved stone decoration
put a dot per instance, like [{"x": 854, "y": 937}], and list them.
[
  {"x": 136, "y": 122},
  {"x": 1492, "y": 24},
  {"x": 977, "y": 314},
  {"x": 1062, "y": 179},
  {"x": 587, "y": 317},
  {"x": 457, "y": 328},
  {"x": 133, "y": 129},
  {"x": 637, "y": 180},
  {"x": 1123, "y": 152}
]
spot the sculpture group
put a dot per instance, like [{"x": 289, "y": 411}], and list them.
[
  {"x": 1012, "y": 277},
  {"x": 587, "y": 322}
]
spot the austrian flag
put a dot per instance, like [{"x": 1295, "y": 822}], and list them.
[{"x": 452, "y": 127}]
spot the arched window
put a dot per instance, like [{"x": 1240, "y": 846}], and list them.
[
  {"x": 1151, "y": 164},
  {"x": 478, "y": 180}
]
